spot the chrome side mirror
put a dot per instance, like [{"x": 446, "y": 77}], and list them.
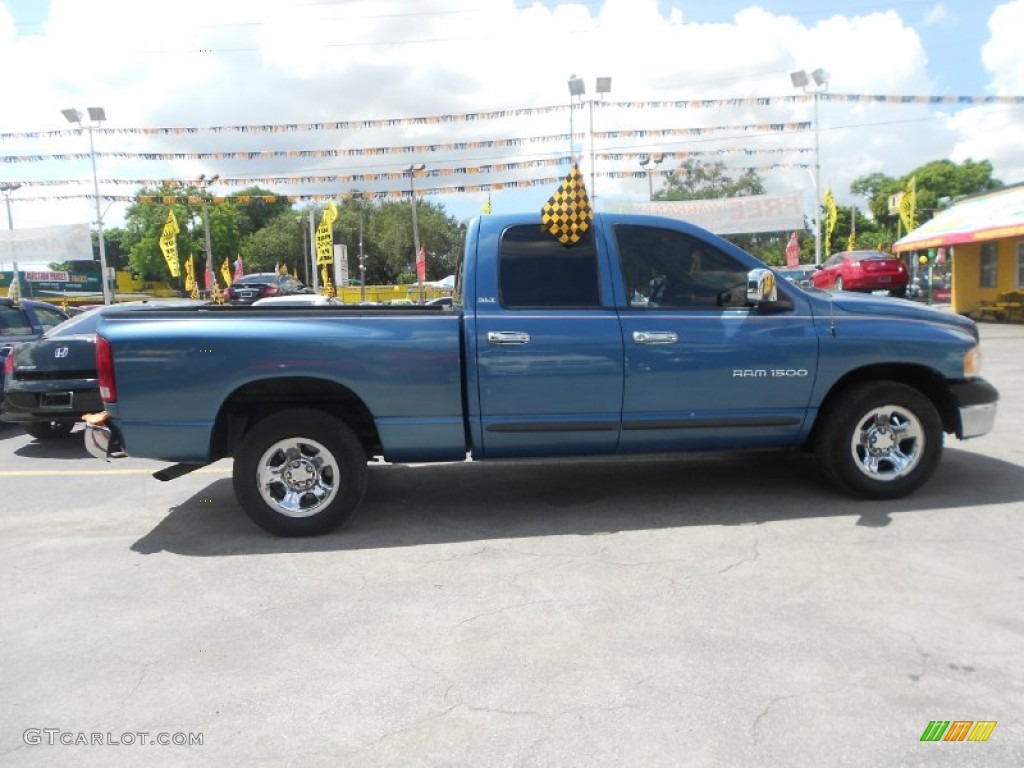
[{"x": 761, "y": 287}]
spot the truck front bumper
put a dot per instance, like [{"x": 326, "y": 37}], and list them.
[{"x": 976, "y": 401}]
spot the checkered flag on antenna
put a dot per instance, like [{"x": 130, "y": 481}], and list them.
[{"x": 567, "y": 214}]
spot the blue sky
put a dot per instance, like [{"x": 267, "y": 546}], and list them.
[{"x": 266, "y": 63}]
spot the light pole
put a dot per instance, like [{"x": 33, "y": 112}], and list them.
[
  {"x": 299, "y": 220},
  {"x": 801, "y": 80},
  {"x": 577, "y": 88},
  {"x": 6, "y": 188},
  {"x": 97, "y": 116},
  {"x": 649, "y": 163},
  {"x": 203, "y": 183},
  {"x": 412, "y": 171},
  {"x": 362, "y": 255}
]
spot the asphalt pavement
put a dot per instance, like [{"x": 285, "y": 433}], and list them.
[{"x": 695, "y": 611}]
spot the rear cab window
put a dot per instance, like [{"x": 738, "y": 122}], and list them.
[{"x": 535, "y": 271}]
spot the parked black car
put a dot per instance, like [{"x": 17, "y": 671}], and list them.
[
  {"x": 798, "y": 275},
  {"x": 25, "y": 321},
  {"x": 51, "y": 382},
  {"x": 259, "y": 285}
]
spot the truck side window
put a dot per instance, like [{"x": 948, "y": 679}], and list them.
[
  {"x": 663, "y": 268},
  {"x": 13, "y": 322},
  {"x": 536, "y": 271}
]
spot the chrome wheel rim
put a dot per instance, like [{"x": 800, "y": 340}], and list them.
[
  {"x": 888, "y": 443},
  {"x": 298, "y": 477}
]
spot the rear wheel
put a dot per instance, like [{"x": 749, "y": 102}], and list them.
[
  {"x": 49, "y": 430},
  {"x": 880, "y": 440},
  {"x": 839, "y": 283},
  {"x": 300, "y": 472}
]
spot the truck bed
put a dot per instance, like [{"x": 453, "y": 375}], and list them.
[{"x": 194, "y": 365}]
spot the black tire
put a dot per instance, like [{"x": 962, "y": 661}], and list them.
[
  {"x": 329, "y": 466},
  {"x": 879, "y": 440},
  {"x": 899, "y": 293},
  {"x": 49, "y": 430}
]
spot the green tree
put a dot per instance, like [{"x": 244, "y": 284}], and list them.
[
  {"x": 113, "y": 248},
  {"x": 388, "y": 239},
  {"x": 279, "y": 241},
  {"x": 257, "y": 207},
  {"x": 144, "y": 224},
  {"x": 694, "y": 180},
  {"x": 936, "y": 183}
]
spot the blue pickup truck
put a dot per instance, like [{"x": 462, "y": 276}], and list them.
[
  {"x": 649, "y": 335},
  {"x": 21, "y": 321}
]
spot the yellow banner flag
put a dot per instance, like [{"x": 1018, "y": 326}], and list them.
[
  {"x": 567, "y": 213},
  {"x": 190, "y": 274},
  {"x": 169, "y": 245},
  {"x": 324, "y": 236},
  {"x": 225, "y": 272},
  {"x": 831, "y": 214},
  {"x": 908, "y": 206}
]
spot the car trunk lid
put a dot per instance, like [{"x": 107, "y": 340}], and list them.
[{"x": 58, "y": 358}]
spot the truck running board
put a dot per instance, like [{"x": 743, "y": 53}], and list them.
[{"x": 175, "y": 471}]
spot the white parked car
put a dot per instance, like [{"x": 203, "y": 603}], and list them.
[{"x": 296, "y": 300}]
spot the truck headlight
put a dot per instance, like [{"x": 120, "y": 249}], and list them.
[{"x": 972, "y": 362}]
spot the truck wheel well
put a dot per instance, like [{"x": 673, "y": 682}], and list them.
[
  {"x": 927, "y": 381},
  {"x": 254, "y": 401}
]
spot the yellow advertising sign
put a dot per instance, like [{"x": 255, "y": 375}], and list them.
[
  {"x": 169, "y": 245},
  {"x": 324, "y": 236}
]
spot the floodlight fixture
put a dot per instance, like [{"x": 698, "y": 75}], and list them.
[{"x": 97, "y": 115}]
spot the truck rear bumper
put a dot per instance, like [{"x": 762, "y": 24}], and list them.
[{"x": 102, "y": 443}]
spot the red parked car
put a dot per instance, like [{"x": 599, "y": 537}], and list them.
[{"x": 863, "y": 271}]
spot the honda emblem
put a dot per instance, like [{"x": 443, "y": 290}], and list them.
[{"x": 60, "y": 352}]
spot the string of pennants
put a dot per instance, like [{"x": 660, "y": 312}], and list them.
[
  {"x": 379, "y": 195},
  {"x": 414, "y": 149},
  {"x": 241, "y": 181},
  {"x": 392, "y": 122}
]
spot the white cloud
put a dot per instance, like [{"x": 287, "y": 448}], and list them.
[
  {"x": 1003, "y": 55},
  {"x": 937, "y": 14},
  {"x": 270, "y": 62}
]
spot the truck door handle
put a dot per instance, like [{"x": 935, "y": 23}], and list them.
[
  {"x": 507, "y": 337},
  {"x": 655, "y": 337}
]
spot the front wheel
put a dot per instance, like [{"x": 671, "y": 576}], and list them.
[
  {"x": 839, "y": 284},
  {"x": 880, "y": 440},
  {"x": 300, "y": 472},
  {"x": 49, "y": 430}
]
